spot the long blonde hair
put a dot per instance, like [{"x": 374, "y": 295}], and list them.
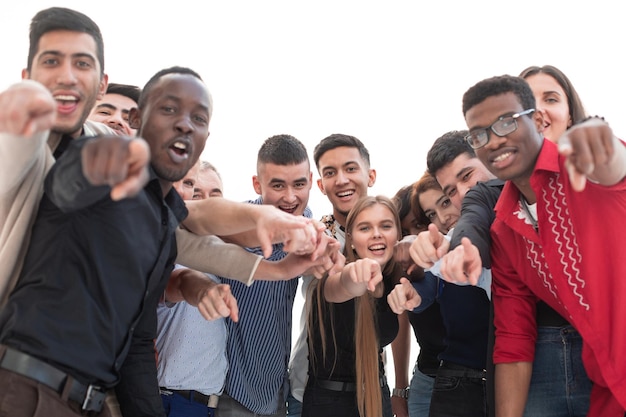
[{"x": 369, "y": 399}]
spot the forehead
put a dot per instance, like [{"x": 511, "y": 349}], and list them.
[
  {"x": 340, "y": 156},
  {"x": 489, "y": 110},
  {"x": 210, "y": 178},
  {"x": 182, "y": 87},
  {"x": 287, "y": 173},
  {"x": 67, "y": 42},
  {"x": 375, "y": 213},
  {"x": 118, "y": 101},
  {"x": 542, "y": 83},
  {"x": 428, "y": 199}
]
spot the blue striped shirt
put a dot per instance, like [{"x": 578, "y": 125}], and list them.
[{"x": 259, "y": 345}]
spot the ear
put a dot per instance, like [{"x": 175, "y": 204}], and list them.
[
  {"x": 134, "y": 118},
  {"x": 102, "y": 88},
  {"x": 538, "y": 120},
  {"x": 25, "y": 74},
  {"x": 256, "y": 184},
  {"x": 320, "y": 185},
  {"x": 372, "y": 178}
]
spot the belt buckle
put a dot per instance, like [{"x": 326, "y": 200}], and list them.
[{"x": 94, "y": 398}]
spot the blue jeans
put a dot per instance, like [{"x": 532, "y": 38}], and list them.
[
  {"x": 559, "y": 386},
  {"x": 294, "y": 407},
  {"x": 458, "y": 392},
  {"x": 420, "y": 391},
  {"x": 176, "y": 405}
]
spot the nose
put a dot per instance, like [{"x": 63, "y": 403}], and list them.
[
  {"x": 462, "y": 190},
  {"x": 65, "y": 73},
  {"x": 183, "y": 124},
  {"x": 341, "y": 178},
  {"x": 290, "y": 195},
  {"x": 495, "y": 141}
]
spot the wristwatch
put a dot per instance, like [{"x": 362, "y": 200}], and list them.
[{"x": 400, "y": 392}]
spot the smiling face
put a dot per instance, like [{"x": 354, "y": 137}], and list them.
[
  {"x": 113, "y": 111},
  {"x": 439, "y": 210},
  {"x": 66, "y": 63},
  {"x": 175, "y": 123},
  {"x": 513, "y": 156},
  {"x": 286, "y": 187},
  {"x": 345, "y": 178},
  {"x": 458, "y": 176},
  {"x": 375, "y": 233},
  {"x": 552, "y": 102}
]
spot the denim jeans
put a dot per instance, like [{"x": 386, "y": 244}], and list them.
[
  {"x": 559, "y": 386},
  {"x": 458, "y": 396},
  {"x": 294, "y": 407},
  {"x": 176, "y": 405},
  {"x": 420, "y": 391}
]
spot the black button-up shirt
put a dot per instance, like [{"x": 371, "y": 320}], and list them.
[{"x": 94, "y": 272}]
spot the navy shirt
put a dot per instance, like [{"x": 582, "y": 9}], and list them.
[{"x": 93, "y": 268}]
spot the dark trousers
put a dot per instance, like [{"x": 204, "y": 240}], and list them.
[
  {"x": 23, "y": 397},
  {"x": 322, "y": 402},
  {"x": 455, "y": 395}
]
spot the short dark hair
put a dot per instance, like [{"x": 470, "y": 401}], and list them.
[
  {"x": 337, "y": 140},
  {"x": 145, "y": 92},
  {"x": 574, "y": 103},
  {"x": 126, "y": 90},
  {"x": 60, "y": 18},
  {"x": 446, "y": 148},
  {"x": 496, "y": 86},
  {"x": 282, "y": 150}
]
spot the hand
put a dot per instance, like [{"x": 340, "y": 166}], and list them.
[
  {"x": 295, "y": 232},
  {"x": 463, "y": 264},
  {"x": 399, "y": 406},
  {"x": 27, "y": 108},
  {"x": 429, "y": 247},
  {"x": 362, "y": 272},
  {"x": 121, "y": 163},
  {"x": 403, "y": 297},
  {"x": 216, "y": 301},
  {"x": 402, "y": 253},
  {"x": 331, "y": 261},
  {"x": 589, "y": 148}
]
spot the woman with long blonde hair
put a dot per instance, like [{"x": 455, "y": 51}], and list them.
[{"x": 350, "y": 321}]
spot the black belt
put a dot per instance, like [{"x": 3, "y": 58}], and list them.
[
  {"x": 460, "y": 371},
  {"x": 191, "y": 395},
  {"x": 342, "y": 386},
  {"x": 90, "y": 397}
]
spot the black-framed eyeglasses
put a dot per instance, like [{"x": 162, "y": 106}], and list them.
[{"x": 501, "y": 127}]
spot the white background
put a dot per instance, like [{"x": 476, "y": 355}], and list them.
[{"x": 391, "y": 73}]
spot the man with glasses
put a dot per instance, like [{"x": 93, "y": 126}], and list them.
[{"x": 546, "y": 245}]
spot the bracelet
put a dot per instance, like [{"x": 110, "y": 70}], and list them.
[
  {"x": 589, "y": 118},
  {"x": 400, "y": 392}
]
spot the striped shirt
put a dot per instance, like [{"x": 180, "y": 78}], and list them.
[{"x": 259, "y": 345}]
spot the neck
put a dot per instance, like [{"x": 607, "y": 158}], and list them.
[
  {"x": 340, "y": 217},
  {"x": 526, "y": 190},
  {"x": 166, "y": 186}
]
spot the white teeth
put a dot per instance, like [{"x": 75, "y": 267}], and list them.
[
  {"x": 345, "y": 194},
  {"x": 65, "y": 98},
  {"x": 377, "y": 247},
  {"x": 180, "y": 145},
  {"x": 502, "y": 157}
]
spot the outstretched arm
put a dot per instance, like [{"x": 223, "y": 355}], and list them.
[{"x": 353, "y": 281}]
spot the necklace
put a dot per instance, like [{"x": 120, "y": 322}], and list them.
[{"x": 530, "y": 215}]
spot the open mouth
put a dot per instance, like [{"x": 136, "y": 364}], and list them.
[
  {"x": 289, "y": 209},
  {"x": 179, "y": 151},
  {"x": 66, "y": 103},
  {"x": 377, "y": 249}
]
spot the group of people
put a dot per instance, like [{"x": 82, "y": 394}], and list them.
[{"x": 130, "y": 286}]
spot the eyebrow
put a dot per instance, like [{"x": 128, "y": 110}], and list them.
[
  {"x": 440, "y": 199},
  {"x": 106, "y": 105},
  {"x": 282, "y": 181}
]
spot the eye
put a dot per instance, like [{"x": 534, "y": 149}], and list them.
[
  {"x": 364, "y": 228},
  {"x": 451, "y": 192},
  {"x": 446, "y": 203},
  {"x": 328, "y": 174},
  {"x": 201, "y": 120},
  {"x": 278, "y": 186},
  {"x": 83, "y": 64},
  {"x": 104, "y": 112},
  {"x": 188, "y": 183},
  {"x": 467, "y": 176}
]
